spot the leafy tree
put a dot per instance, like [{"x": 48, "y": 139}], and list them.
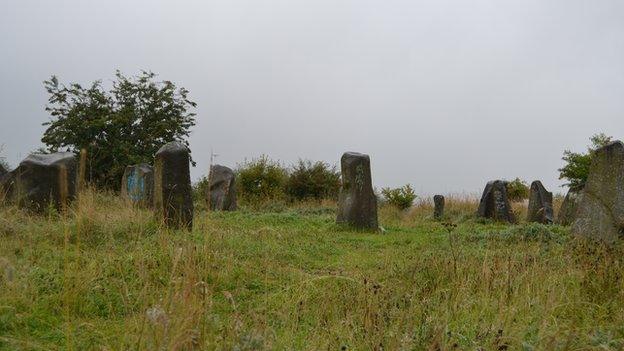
[
  {"x": 261, "y": 179},
  {"x": 517, "y": 190},
  {"x": 309, "y": 180},
  {"x": 402, "y": 197},
  {"x": 124, "y": 125},
  {"x": 577, "y": 165}
]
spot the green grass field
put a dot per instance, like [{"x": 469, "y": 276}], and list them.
[{"x": 107, "y": 277}]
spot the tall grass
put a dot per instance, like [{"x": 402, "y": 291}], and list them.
[{"x": 108, "y": 276}]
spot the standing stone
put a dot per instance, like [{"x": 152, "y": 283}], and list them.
[
  {"x": 600, "y": 213},
  {"x": 567, "y": 212},
  {"x": 137, "y": 184},
  {"x": 7, "y": 186},
  {"x": 494, "y": 203},
  {"x": 44, "y": 180},
  {"x": 438, "y": 202},
  {"x": 222, "y": 190},
  {"x": 357, "y": 204},
  {"x": 540, "y": 204},
  {"x": 172, "y": 186}
]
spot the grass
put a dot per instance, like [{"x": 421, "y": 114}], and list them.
[{"x": 107, "y": 276}]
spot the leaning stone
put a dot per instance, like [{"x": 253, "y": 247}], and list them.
[
  {"x": 172, "y": 186},
  {"x": 600, "y": 213},
  {"x": 567, "y": 212},
  {"x": 44, "y": 180},
  {"x": 222, "y": 190},
  {"x": 540, "y": 208},
  {"x": 137, "y": 184},
  {"x": 494, "y": 203},
  {"x": 438, "y": 211},
  {"x": 357, "y": 204}
]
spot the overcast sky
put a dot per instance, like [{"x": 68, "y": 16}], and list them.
[{"x": 442, "y": 94}]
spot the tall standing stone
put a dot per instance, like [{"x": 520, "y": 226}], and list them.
[
  {"x": 567, "y": 212},
  {"x": 44, "y": 180},
  {"x": 357, "y": 203},
  {"x": 172, "y": 186},
  {"x": 600, "y": 213},
  {"x": 222, "y": 189},
  {"x": 540, "y": 208},
  {"x": 438, "y": 203},
  {"x": 495, "y": 204},
  {"x": 137, "y": 184}
]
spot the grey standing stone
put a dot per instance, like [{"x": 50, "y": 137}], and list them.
[
  {"x": 494, "y": 203},
  {"x": 438, "y": 202},
  {"x": 540, "y": 208},
  {"x": 172, "y": 186},
  {"x": 137, "y": 184},
  {"x": 357, "y": 204},
  {"x": 6, "y": 185},
  {"x": 600, "y": 213},
  {"x": 567, "y": 212},
  {"x": 222, "y": 190},
  {"x": 44, "y": 180}
]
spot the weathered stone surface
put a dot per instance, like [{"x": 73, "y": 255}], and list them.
[
  {"x": 357, "y": 204},
  {"x": 494, "y": 203},
  {"x": 43, "y": 180},
  {"x": 600, "y": 213},
  {"x": 222, "y": 190},
  {"x": 438, "y": 210},
  {"x": 137, "y": 184},
  {"x": 7, "y": 185},
  {"x": 540, "y": 208},
  {"x": 567, "y": 212},
  {"x": 172, "y": 186}
]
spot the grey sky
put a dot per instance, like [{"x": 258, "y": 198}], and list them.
[{"x": 443, "y": 94}]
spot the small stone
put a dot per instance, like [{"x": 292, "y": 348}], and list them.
[
  {"x": 494, "y": 203},
  {"x": 137, "y": 184},
  {"x": 172, "y": 186},
  {"x": 357, "y": 203},
  {"x": 222, "y": 190},
  {"x": 157, "y": 316},
  {"x": 438, "y": 210},
  {"x": 540, "y": 208}
]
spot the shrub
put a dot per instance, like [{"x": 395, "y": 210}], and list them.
[
  {"x": 4, "y": 165},
  {"x": 309, "y": 180},
  {"x": 402, "y": 197},
  {"x": 261, "y": 179},
  {"x": 577, "y": 165},
  {"x": 200, "y": 189},
  {"x": 517, "y": 190}
]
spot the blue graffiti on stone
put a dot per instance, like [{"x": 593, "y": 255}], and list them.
[{"x": 136, "y": 186}]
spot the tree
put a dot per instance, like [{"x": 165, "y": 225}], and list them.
[
  {"x": 125, "y": 125},
  {"x": 577, "y": 165}
]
